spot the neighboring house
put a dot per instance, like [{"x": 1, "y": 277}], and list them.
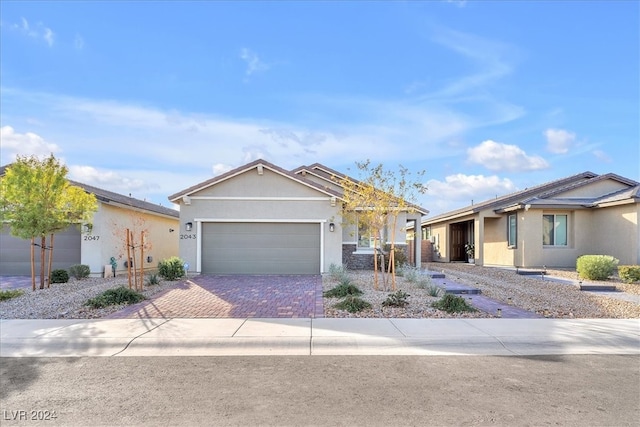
[
  {"x": 96, "y": 243},
  {"x": 548, "y": 225},
  {"x": 263, "y": 219}
]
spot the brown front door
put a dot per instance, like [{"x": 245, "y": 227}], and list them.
[{"x": 458, "y": 233}]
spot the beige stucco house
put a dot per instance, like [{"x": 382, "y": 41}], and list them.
[
  {"x": 96, "y": 243},
  {"x": 547, "y": 225},
  {"x": 262, "y": 219}
]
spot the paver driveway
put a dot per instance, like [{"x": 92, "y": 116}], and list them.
[{"x": 234, "y": 296}]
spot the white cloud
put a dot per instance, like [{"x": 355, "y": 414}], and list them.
[
  {"x": 459, "y": 3},
  {"x": 467, "y": 187},
  {"x": 496, "y": 156},
  {"x": 48, "y": 36},
  {"x": 254, "y": 64},
  {"x": 492, "y": 61},
  {"x": 220, "y": 168},
  {"x": 462, "y": 190},
  {"x": 559, "y": 140},
  {"x": 24, "y": 144},
  {"x": 39, "y": 31},
  {"x": 108, "y": 180},
  {"x": 602, "y": 156}
]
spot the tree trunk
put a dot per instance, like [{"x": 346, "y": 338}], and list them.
[
  {"x": 43, "y": 244},
  {"x": 33, "y": 264},
  {"x": 50, "y": 260},
  {"x": 375, "y": 265}
]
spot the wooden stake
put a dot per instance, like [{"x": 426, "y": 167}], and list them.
[
  {"x": 128, "y": 259},
  {"x": 43, "y": 244},
  {"x": 142, "y": 261}
]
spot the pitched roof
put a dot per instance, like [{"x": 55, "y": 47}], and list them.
[
  {"x": 542, "y": 195},
  {"x": 328, "y": 174},
  {"x": 249, "y": 166},
  {"x": 106, "y": 196}
]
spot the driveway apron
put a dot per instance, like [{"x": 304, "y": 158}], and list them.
[{"x": 212, "y": 296}]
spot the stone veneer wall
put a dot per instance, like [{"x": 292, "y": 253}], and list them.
[{"x": 360, "y": 261}]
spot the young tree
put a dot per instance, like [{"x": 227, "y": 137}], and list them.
[
  {"x": 376, "y": 201},
  {"x": 36, "y": 200}
]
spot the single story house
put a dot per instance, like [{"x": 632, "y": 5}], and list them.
[
  {"x": 262, "y": 219},
  {"x": 96, "y": 243},
  {"x": 547, "y": 225}
]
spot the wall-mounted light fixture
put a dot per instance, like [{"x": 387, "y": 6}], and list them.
[
  {"x": 87, "y": 227},
  {"x": 332, "y": 227},
  {"x": 171, "y": 230},
  {"x": 149, "y": 258},
  {"x": 188, "y": 226}
]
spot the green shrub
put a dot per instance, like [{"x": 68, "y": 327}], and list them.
[
  {"x": 352, "y": 304},
  {"x": 434, "y": 290},
  {"x": 10, "y": 293},
  {"x": 338, "y": 272},
  {"x": 171, "y": 268},
  {"x": 596, "y": 267},
  {"x": 397, "y": 299},
  {"x": 629, "y": 273},
  {"x": 59, "y": 276},
  {"x": 80, "y": 271},
  {"x": 452, "y": 304},
  {"x": 411, "y": 274},
  {"x": 342, "y": 290},
  {"x": 115, "y": 296},
  {"x": 152, "y": 279},
  {"x": 423, "y": 281}
]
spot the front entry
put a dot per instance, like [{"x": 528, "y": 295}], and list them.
[
  {"x": 461, "y": 233},
  {"x": 457, "y": 242}
]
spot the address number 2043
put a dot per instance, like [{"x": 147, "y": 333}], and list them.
[{"x": 187, "y": 236}]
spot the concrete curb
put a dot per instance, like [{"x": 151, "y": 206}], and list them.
[{"x": 317, "y": 337}]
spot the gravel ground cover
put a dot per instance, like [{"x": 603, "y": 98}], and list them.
[
  {"x": 66, "y": 300},
  {"x": 545, "y": 297},
  {"x": 557, "y": 300}
]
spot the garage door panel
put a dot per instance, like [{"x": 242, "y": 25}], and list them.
[{"x": 260, "y": 248}]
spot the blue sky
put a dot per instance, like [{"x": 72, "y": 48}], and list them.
[{"x": 149, "y": 98}]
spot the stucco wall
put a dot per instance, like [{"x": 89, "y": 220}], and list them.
[
  {"x": 260, "y": 198},
  {"x": 108, "y": 237},
  {"x": 616, "y": 233}
]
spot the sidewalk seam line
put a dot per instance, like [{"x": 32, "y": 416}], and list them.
[
  {"x": 239, "y": 327},
  {"x": 138, "y": 336},
  {"x": 397, "y": 328}
]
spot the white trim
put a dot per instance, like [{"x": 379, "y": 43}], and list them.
[
  {"x": 246, "y": 168},
  {"x": 200, "y": 221},
  {"x": 198, "y": 246},
  {"x": 262, "y": 199},
  {"x": 265, "y": 220},
  {"x": 322, "y": 231}
]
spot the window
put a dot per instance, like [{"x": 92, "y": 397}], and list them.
[
  {"x": 366, "y": 237},
  {"x": 554, "y": 230},
  {"x": 512, "y": 230}
]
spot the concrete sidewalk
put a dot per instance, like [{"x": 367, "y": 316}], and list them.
[{"x": 328, "y": 336}]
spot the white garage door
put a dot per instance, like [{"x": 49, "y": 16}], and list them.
[{"x": 260, "y": 248}]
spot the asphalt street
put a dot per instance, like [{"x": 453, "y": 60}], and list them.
[{"x": 568, "y": 390}]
